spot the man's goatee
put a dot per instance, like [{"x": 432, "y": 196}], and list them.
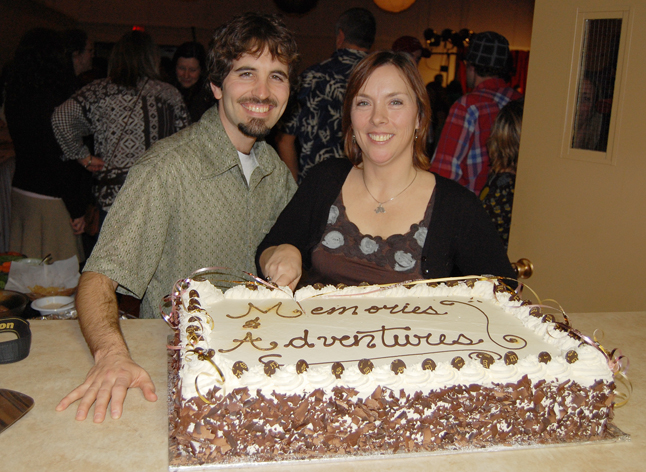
[{"x": 255, "y": 128}]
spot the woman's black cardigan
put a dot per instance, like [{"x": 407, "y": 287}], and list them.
[{"x": 461, "y": 238}]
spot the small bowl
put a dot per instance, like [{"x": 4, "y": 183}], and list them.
[
  {"x": 12, "y": 303},
  {"x": 53, "y": 305}
]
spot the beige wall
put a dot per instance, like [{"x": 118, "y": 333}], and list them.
[
  {"x": 169, "y": 21},
  {"x": 580, "y": 216}
]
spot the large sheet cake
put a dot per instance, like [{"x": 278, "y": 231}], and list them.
[{"x": 264, "y": 375}]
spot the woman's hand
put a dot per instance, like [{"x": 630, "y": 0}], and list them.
[
  {"x": 78, "y": 225},
  {"x": 92, "y": 163},
  {"x": 282, "y": 265}
]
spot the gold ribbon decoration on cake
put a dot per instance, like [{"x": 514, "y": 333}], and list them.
[
  {"x": 193, "y": 333},
  {"x": 617, "y": 362},
  {"x": 207, "y": 355},
  {"x": 175, "y": 299}
]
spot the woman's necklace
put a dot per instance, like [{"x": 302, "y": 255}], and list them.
[{"x": 380, "y": 205}]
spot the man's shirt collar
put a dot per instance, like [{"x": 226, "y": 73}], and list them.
[{"x": 223, "y": 155}]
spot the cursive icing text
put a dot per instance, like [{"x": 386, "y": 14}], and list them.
[
  {"x": 395, "y": 309},
  {"x": 384, "y": 337}
]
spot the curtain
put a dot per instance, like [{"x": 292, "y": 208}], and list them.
[{"x": 521, "y": 60}]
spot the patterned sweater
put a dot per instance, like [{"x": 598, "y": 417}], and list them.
[{"x": 124, "y": 121}]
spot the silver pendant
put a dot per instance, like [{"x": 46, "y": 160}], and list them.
[{"x": 380, "y": 209}]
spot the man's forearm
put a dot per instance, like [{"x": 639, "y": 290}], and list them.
[{"x": 98, "y": 311}]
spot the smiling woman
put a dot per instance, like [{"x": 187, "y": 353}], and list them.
[
  {"x": 380, "y": 216},
  {"x": 384, "y": 117},
  {"x": 189, "y": 62},
  {"x": 188, "y": 71}
]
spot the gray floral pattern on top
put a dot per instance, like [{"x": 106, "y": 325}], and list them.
[
  {"x": 368, "y": 245},
  {"x": 353, "y": 257},
  {"x": 334, "y": 214},
  {"x": 333, "y": 240},
  {"x": 404, "y": 261},
  {"x": 420, "y": 235}
]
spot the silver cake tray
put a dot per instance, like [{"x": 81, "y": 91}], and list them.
[{"x": 614, "y": 433}]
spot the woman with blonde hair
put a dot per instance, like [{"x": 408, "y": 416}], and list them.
[{"x": 380, "y": 216}]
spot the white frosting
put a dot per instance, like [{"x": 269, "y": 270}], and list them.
[{"x": 438, "y": 323}]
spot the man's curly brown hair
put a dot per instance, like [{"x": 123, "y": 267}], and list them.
[{"x": 251, "y": 33}]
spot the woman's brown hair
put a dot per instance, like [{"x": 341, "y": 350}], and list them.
[
  {"x": 361, "y": 73},
  {"x": 504, "y": 139},
  {"x": 135, "y": 56}
]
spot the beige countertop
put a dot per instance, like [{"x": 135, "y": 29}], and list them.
[{"x": 59, "y": 360}]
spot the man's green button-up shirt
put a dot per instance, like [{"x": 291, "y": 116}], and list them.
[{"x": 187, "y": 205}]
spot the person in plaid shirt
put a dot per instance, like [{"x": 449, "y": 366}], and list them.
[{"x": 461, "y": 153}]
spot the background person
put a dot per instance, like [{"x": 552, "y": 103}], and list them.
[
  {"x": 126, "y": 112},
  {"x": 498, "y": 193},
  {"x": 379, "y": 216},
  {"x": 316, "y": 121},
  {"x": 47, "y": 200},
  {"x": 588, "y": 122},
  {"x": 461, "y": 152},
  {"x": 437, "y": 94},
  {"x": 412, "y": 46},
  {"x": 189, "y": 64},
  {"x": 79, "y": 50},
  {"x": 453, "y": 92}
]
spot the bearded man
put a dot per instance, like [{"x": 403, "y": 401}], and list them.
[{"x": 203, "y": 197}]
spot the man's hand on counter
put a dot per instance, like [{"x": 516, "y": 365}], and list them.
[
  {"x": 114, "y": 371},
  {"x": 108, "y": 383}
]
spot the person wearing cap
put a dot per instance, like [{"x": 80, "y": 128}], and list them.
[
  {"x": 315, "y": 123},
  {"x": 412, "y": 46},
  {"x": 461, "y": 153}
]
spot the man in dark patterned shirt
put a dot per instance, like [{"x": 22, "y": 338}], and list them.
[{"x": 316, "y": 122}]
